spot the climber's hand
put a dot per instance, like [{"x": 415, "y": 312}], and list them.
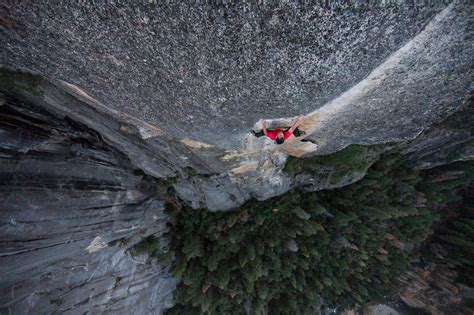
[{"x": 297, "y": 123}]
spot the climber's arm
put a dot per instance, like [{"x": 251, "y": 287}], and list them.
[
  {"x": 297, "y": 123},
  {"x": 264, "y": 126}
]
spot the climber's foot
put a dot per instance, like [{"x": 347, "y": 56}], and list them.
[
  {"x": 257, "y": 134},
  {"x": 308, "y": 140}
]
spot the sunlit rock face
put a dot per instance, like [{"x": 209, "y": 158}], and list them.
[{"x": 209, "y": 72}]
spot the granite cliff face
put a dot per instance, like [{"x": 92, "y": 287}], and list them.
[
  {"x": 67, "y": 197},
  {"x": 170, "y": 95}
]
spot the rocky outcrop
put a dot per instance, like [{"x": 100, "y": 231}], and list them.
[
  {"x": 80, "y": 170},
  {"x": 449, "y": 141},
  {"x": 197, "y": 172},
  {"x": 387, "y": 82},
  {"x": 436, "y": 290},
  {"x": 418, "y": 85}
]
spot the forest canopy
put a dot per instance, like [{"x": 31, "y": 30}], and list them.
[{"x": 301, "y": 251}]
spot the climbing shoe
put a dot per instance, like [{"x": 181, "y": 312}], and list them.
[{"x": 257, "y": 134}]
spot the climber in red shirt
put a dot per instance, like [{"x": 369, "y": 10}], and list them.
[{"x": 280, "y": 135}]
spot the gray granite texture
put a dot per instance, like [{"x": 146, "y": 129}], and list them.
[
  {"x": 81, "y": 187},
  {"x": 418, "y": 85},
  {"x": 209, "y": 71},
  {"x": 73, "y": 209}
]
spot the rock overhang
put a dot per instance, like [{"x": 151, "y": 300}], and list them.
[{"x": 204, "y": 71}]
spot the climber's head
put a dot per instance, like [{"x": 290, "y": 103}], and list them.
[{"x": 280, "y": 138}]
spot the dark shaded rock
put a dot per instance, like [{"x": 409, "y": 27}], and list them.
[
  {"x": 335, "y": 170},
  {"x": 449, "y": 141},
  {"x": 216, "y": 193}
]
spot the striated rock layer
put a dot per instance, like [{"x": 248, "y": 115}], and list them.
[{"x": 65, "y": 196}]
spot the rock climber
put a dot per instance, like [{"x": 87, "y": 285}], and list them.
[{"x": 280, "y": 135}]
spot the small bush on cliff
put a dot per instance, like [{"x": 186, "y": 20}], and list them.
[
  {"x": 290, "y": 254},
  {"x": 148, "y": 245}
]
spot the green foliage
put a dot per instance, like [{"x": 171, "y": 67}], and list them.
[
  {"x": 57, "y": 302},
  {"x": 352, "y": 159},
  {"x": 148, "y": 245},
  {"x": 191, "y": 172},
  {"x": 341, "y": 246}
]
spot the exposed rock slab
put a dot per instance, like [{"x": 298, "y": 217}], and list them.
[
  {"x": 420, "y": 84},
  {"x": 449, "y": 141},
  {"x": 422, "y": 74}
]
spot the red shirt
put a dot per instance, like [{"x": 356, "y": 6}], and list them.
[{"x": 272, "y": 134}]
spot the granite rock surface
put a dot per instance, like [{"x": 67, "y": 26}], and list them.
[
  {"x": 208, "y": 72},
  {"x": 72, "y": 210}
]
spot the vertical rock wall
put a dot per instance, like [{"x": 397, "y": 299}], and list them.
[{"x": 72, "y": 210}]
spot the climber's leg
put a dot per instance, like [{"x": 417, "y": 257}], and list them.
[
  {"x": 257, "y": 134},
  {"x": 298, "y": 133}
]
